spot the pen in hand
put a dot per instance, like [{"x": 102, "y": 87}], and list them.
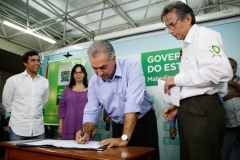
[
  {"x": 82, "y": 134},
  {"x": 82, "y": 131}
]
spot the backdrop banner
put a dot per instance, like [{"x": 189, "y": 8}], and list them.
[
  {"x": 58, "y": 76},
  {"x": 159, "y": 64}
]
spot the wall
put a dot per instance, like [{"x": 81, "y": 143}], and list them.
[
  {"x": 10, "y": 64},
  {"x": 3, "y": 77}
]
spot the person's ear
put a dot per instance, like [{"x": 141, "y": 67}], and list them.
[
  {"x": 188, "y": 19},
  {"x": 25, "y": 64},
  {"x": 114, "y": 59}
]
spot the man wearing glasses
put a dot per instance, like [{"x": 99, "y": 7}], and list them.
[{"x": 204, "y": 71}]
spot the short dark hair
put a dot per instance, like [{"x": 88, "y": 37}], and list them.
[
  {"x": 72, "y": 80},
  {"x": 181, "y": 9},
  {"x": 27, "y": 54},
  {"x": 231, "y": 59}
]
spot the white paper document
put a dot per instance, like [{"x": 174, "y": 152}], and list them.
[
  {"x": 64, "y": 144},
  {"x": 174, "y": 98}
]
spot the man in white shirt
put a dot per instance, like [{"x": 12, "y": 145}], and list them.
[
  {"x": 204, "y": 71},
  {"x": 25, "y": 96}
]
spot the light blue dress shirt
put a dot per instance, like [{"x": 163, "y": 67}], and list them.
[
  {"x": 173, "y": 122},
  {"x": 125, "y": 93}
]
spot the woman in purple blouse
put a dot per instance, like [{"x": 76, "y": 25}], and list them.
[{"x": 72, "y": 104}]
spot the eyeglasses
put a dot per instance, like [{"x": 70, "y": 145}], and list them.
[
  {"x": 78, "y": 73},
  {"x": 171, "y": 25}
]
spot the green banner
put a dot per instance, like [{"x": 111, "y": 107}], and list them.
[
  {"x": 58, "y": 77},
  {"x": 159, "y": 64}
]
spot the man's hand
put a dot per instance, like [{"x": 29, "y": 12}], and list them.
[
  {"x": 80, "y": 138},
  {"x": 94, "y": 133},
  {"x": 168, "y": 85},
  {"x": 231, "y": 83},
  {"x": 172, "y": 132},
  {"x": 60, "y": 130},
  {"x": 111, "y": 142},
  {"x": 231, "y": 95},
  {"x": 170, "y": 112},
  {"x": 107, "y": 119},
  {"x": 234, "y": 85}
]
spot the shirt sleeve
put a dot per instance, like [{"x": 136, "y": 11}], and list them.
[
  {"x": 46, "y": 95},
  {"x": 62, "y": 104},
  {"x": 213, "y": 66},
  {"x": 8, "y": 94},
  {"x": 135, "y": 88},
  {"x": 172, "y": 122},
  {"x": 93, "y": 106}
]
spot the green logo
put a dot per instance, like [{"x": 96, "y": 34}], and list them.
[
  {"x": 65, "y": 76},
  {"x": 216, "y": 49}
]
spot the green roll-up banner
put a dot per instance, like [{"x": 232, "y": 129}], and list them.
[{"x": 58, "y": 76}]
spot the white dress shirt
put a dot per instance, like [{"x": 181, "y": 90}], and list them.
[
  {"x": 204, "y": 68},
  {"x": 26, "y": 98}
]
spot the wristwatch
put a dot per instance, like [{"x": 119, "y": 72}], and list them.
[{"x": 125, "y": 137}]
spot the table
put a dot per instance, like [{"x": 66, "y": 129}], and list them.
[{"x": 37, "y": 153}]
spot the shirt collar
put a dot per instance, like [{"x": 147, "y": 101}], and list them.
[
  {"x": 191, "y": 33},
  {"x": 26, "y": 74},
  {"x": 118, "y": 71}
]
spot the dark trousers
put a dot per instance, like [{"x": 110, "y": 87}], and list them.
[
  {"x": 202, "y": 127},
  {"x": 145, "y": 133},
  {"x": 232, "y": 135}
]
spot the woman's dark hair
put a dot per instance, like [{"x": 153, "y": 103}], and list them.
[
  {"x": 181, "y": 9},
  {"x": 27, "y": 54},
  {"x": 231, "y": 59},
  {"x": 72, "y": 80}
]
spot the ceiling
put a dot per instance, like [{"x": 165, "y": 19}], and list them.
[{"x": 71, "y": 22}]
